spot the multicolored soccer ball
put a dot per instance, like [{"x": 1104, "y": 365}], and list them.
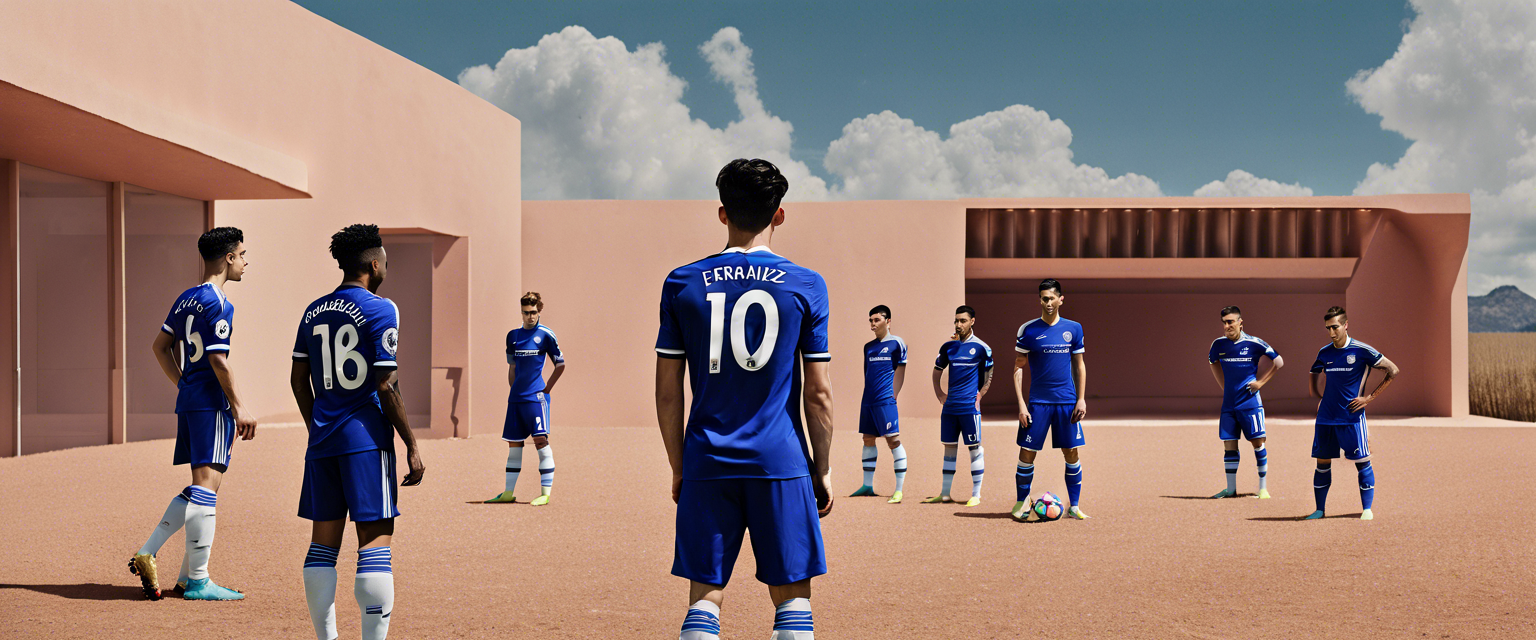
[{"x": 1048, "y": 507}]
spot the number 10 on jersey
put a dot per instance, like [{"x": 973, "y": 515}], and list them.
[{"x": 748, "y": 360}]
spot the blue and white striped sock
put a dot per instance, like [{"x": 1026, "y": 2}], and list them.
[
  {"x": 1231, "y": 459},
  {"x": 1023, "y": 477},
  {"x": 1261, "y": 456},
  {"x": 547, "y": 467},
  {"x": 949, "y": 471},
  {"x": 1322, "y": 478},
  {"x": 320, "y": 589},
  {"x": 1367, "y": 484},
  {"x": 702, "y": 622},
  {"x": 900, "y": 464},
  {"x": 978, "y": 469},
  {"x": 200, "y": 529},
  {"x": 374, "y": 589},
  {"x": 792, "y": 620},
  {"x": 514, "y": 466},
  {"x": 1074, "y": 481},
  {"x": 870, "y": 453}
]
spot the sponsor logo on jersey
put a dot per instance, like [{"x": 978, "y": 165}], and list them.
[{"x": 391, "y": 340}]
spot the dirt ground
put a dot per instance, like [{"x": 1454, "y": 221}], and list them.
[{"x": 1450, "y": 554}]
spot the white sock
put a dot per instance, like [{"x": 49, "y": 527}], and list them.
[
  {"x": 320, "y": 589},
  {"x": 949, "y": 469},
  {"x": 375, "y": 591},
  {"x": 181, "y": 577},
  {"x": 978, "y": 469},
  {"x": 514, "y": 466},
  {"x": 792, "y": 620},
  {"x": 900, "y": 454},
  {"x": 702, "y": 622},
  {"x": 175, "y": 516},
  {"x": 200, "y": 530},
  {"x": 1262, "y": 454},
  {"x": 547, "y": 468},
  {"x": 870, "y": 453}
]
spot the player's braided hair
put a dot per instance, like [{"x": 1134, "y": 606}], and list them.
[
  {"x": 350, "y": 246},
  {"x": 750, "y": 191},
  {"x": 218, "y": 242}
]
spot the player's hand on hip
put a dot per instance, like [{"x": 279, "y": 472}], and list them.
[
  {"x": 1080, "y": 411},
  {"x": 245, "y": 425},
  {"x": 677, "y": 487},
  {"x": 1254, "y": 386},
  {"x": 413, "y": 460},
  {"x": 1358, "y": 404},
  {"x": 822, "y": 486}
]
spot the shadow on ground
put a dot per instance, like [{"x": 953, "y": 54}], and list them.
[{"x": 86, "y": 591}]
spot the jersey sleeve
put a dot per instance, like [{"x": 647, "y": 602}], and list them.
[
  {"x": 1077, "y": 340},
  {"x": 169, "y": 326},
  {"x": 301, "y": 345},
  {"x": 1377, "y": 357},
  {"x": 987, "y": 365},
  {"x": 1211, "y": 354},
  {"x": 813, "y": 327},
  {"x": 551, "y": 347},
  {"x": 669, "y": 338},
  {"x": 901, "y": 351},
  {"x": 386, "y": 334},
  {"x": 943, "y": 359},
  {"x": 1019, "y": 345},
  {"x": 509, "y": 347},
  {"x": 1269, "y": 351},
  {"x": 1317, "y": 365},
  {"x": 220, "y": 320}
]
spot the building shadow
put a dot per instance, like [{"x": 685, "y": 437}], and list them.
[{"x": 86, "y": 591}]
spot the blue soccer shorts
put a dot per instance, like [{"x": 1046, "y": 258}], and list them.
[
  {"x": 204, "y": 438},
  {"x": 954, "y": 428},
  {"x": 361, "y": 484},
  {"x": 1249, "y": 423},
  {"x": 1053, "y": 418},
  {"x": 879, "y": 420},
  {"x": 1352, "y": 439},
  {"x": 526, "y": 419},
  {"x": 712, "y": 516}
]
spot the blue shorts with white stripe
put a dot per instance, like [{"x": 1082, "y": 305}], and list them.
[
  {"x": 204, "y": 438},
  {"x": 359, "y": 484}
]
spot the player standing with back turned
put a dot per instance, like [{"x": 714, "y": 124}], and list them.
[{"x": 742, "y": 322}]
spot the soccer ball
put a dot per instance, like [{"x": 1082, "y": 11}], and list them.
[{"x": 1048, "y": 507}]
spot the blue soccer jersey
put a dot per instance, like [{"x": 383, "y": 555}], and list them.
[
  {"x": 1239, "y": 360},
  {"x": 347, "y": 336},
  {"x": 1050, "y": 348},
  {"x": 968, "y": 360},
  {"x": 881, "y": 357},
  {"x": 526, "y": 350},
  {"x": 738, "y": 318},
  {"x": 1346, "y": 370},
  {"x": 202, "y": 320}
]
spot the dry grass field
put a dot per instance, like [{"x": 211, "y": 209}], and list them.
[{"x": 1503, "y": 375}]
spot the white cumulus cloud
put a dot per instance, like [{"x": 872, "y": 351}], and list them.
[
  {"x": 1462, "y": 87},
  {"x": 1240, "y": 183}
]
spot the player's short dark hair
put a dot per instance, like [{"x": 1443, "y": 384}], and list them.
[
  {"x": 351, "y": 245},
  {"x": 882, "y": 310},
  {"x": 1051, "y": 283},
  {"x": 965, "y": 308},
  {"x": 532, "y": 299},
  {"x": 1335, "y": 310},
  {"x": 218, "y": 242},
  {"x": 750, "y": 191},
  {"x": 1231, "y": 311}
]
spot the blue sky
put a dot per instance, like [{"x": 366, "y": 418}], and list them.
[{"x": 1181, "y": 92}]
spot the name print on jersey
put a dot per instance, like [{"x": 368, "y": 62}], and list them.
[{"x": 753, "y": 272}]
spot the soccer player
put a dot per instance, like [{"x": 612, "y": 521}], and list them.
[
  {"x": 1234, "y": 360},
  {"x": 528, "y": 405},
  {"x": 344, "y": 379},
  {"x": 1052, "y": 347},
  {"x": 885, "y": 368},
  {"x": 1346, "y": 363},
  {"x": 969, "y": 361},
  {"x": 750, "y": 328},
  {"x": 209, "y": 414}
]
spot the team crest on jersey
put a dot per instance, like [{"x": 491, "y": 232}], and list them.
[
  {"x": 391, "y": 340},
  {"x": 1350, "y": 359},
  {"x": 885, "y": 350},
  {"x": 221, "y": 329},
  {"x": 538, "y": 339},
  {"x": 1245, "y": 351},
  {"x": 1066, "y": 336},
  {"x": 973, "y": 351}
]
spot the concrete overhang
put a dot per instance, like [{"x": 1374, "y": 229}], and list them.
[
  {"x": 1427, "y": 203},
  {"x": 95, "y": 133}
]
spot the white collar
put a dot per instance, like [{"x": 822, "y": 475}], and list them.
[{"x": 761, "y": 247}]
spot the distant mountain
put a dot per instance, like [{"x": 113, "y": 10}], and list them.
[{"x": 1504, "y": 309}]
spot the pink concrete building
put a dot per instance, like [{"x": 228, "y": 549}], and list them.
[{"x": 115, "y": 154}]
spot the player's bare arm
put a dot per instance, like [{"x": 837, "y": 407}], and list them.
[
  {"x": 669, "y": 415},
  {"x": 549, "y": 385},
  {"x": 818, "y": 427},
  {"x": 1312, "y": 388},
  {"x": 986, "y": 383},
  {"x": 394, "y": 410},
  {"x": 1358, "y": 404},
  {"x": 1259, "y": 382},
  {"x": 897, "y": 379},
  {"x": 165, "y": 354},
  {"x": 1020, "y": 361},
  {"x": 1080, "y": 377},
  {"x": 938, "y": 388},
  {"x": 303, "y": 393},
  {"x": 1221, "y": 376},
  {"x": 245, "y": 423}
]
